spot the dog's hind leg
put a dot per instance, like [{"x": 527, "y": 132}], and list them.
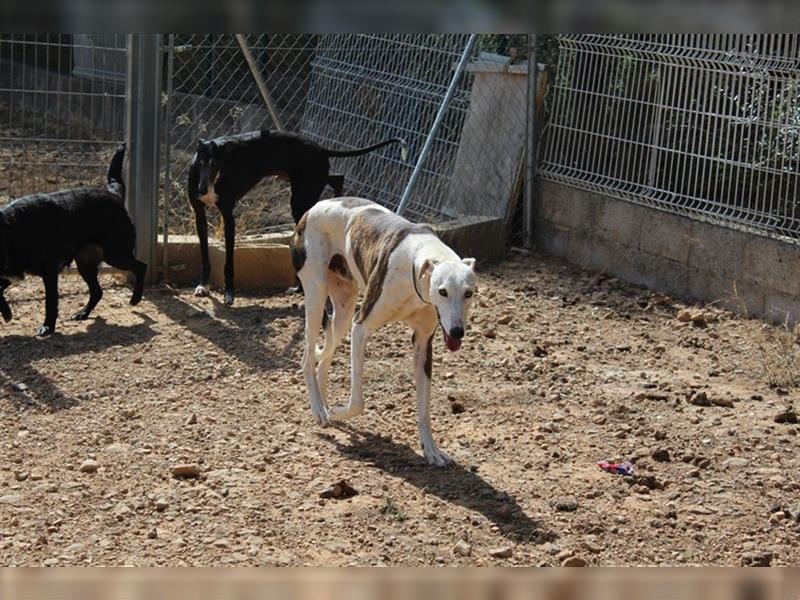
[
  {"x": 50, "y": 278},
  {"x": 137, "y": 267},
  {"x": 315, "y": 295},
  {"x": 358, "y": 345},
  {"x": 344, "y": 295},
  {"x": 424, "y": 327},
  {"x": 87, "y": 267},
  {"x": 5, "y": 309},
  {"x": 230, "y": 245}
]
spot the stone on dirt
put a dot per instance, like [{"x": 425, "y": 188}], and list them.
[
  {"x": 341, "y": 489},
  {"x": 89, "y": 466},
  {"x": 503, "y": 552},
  {"x": 185, "y": 470}
]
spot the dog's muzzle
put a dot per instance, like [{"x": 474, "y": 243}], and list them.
[{"x": 453, "y": 339}]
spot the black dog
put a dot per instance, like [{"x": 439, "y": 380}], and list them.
[
  {"x": 226, "y": 168},
  {"x": 41, "y": 234}
]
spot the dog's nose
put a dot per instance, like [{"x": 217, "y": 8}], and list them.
[{"x": 457, "y": 333}]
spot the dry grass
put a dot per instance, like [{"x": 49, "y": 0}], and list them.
[{"x": 779, "y": 353}]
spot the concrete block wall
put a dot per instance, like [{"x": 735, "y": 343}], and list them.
[{"x": 688, "y": 259}]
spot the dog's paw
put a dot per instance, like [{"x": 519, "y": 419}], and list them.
[
  {"x": 201, "y": 291},
  {"x": 81, "y": 315},
  {"x": 229, "y": 297},
  {"x": 6, "y": 314},
  {"x": 321, "y": 415},
  {"x": 44, "y": 331},
  {"x": 294, "y": 290},
  {"x": 136, "y": 298},
  {"x": 437, "y": 458}
]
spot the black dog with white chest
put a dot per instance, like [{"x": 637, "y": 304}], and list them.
[
  {"x": 226, "y": 168},
  {"x": 41, "y": 234}
]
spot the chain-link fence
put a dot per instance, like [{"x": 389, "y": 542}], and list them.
[
  {"x": 62, "y": 110},
  {"x": 348, "y": 91},
  {"x": 707, "y": 126}
]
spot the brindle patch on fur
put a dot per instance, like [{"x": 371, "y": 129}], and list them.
[
  {"x": 355, "y": 202},
  {"x": 374, "y": 234},
  {"x": 298, "y": 247},
  {"x": 429, "y": 358},
  {"x": 338, "y": 265}
]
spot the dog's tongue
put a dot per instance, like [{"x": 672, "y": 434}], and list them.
[{"x": 451, "y": 343}]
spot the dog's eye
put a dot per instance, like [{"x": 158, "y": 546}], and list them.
[
  {"x": 468, "y": 294},
  {"x": 443, "y": 292}
]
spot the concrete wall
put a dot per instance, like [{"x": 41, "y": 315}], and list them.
[
  {"x": 686, "y": 258},
  {"x": 265, "y": 261}
]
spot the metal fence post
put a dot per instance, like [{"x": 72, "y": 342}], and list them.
[
  {"x": 531, "y": 145},
  {"x": 436, "y": 122},
  {"x": 143, "y": 102}
]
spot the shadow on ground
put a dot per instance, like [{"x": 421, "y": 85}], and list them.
[
  {"x": 17, "y": 352},
  {"x": 237, "y": 330},
  {"x": 455, "y": 484}
]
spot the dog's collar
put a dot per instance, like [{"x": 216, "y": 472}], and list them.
[{"x": 414, "y": 279}]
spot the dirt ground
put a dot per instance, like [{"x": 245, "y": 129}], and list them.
[{"x": 560, "y": 368}]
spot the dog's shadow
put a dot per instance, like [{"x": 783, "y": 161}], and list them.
[
  {"x": 454, "y": 484},
  {"x": 237, "y": 330},
  {"x": 18, "y": 352}
]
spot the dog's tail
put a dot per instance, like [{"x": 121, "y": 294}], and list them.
[
  {"x": 368, "y": 149},
  {"x": 115, "y": 184}
]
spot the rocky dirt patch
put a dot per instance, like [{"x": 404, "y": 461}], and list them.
[{"x": 148, "y": 437}]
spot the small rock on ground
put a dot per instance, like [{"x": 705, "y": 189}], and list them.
[
  {"x": 89, "y": 466},
  {"x": 504, "y": 552}
]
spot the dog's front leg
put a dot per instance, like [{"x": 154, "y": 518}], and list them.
[
  {"x": 423, "y": 367},
  {"x": 230, "y": 238},
  {"x": 50, "y": 279},
  {"x": 201, "y": 223},
  {"x": 5, "y": 309},
  {"x": 358, "y": 345}
]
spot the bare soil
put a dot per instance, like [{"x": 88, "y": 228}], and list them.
[{"x": 560, "y": 368}]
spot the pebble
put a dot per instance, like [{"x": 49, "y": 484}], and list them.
[
  {"x": 462, "y": 548},
  {"x": 661, "y": 455},
  {"x": 565, "y": 504},
  {"x": 757, "y": 559},
  {"x": 490, "y": 333},
  {"x": 735, "y": 463},
  {"x": 19, "y": 387},
  {"x": 700, "y": 399},
  {"x": 574, "y": 561},
  {"x": 724, "y": 402},
  {"x": 786, "y": 416},
  {"x": 89, "y": 466},
  {"x": 342, "y": 489},
  {"x": 162, "y": 504},
  {"x": 503, "y": 552},
  {"x": 12, "y": 499},
  {"x": 191, "y": 419},
  {"x": 185, "y": 470}
]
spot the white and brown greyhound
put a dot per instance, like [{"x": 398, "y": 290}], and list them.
[{"x": 346, "y": 245}]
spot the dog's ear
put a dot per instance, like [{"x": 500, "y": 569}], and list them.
[
  {"x": 427, "y": 267},
  {"x": 470, "y": 262}
]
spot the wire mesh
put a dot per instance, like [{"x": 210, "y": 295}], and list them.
[
  {"x": 349, "y": 91},
  {"x": 62, "y": 110},
  {"x": 706, "y": 126}
]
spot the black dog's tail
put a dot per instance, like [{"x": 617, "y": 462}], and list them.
[
  {"x": 368, "y": 149},
  {"x": 114, "y": 178}
]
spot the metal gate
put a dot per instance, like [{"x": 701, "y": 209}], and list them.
[{"x": 62, "y": 110}]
